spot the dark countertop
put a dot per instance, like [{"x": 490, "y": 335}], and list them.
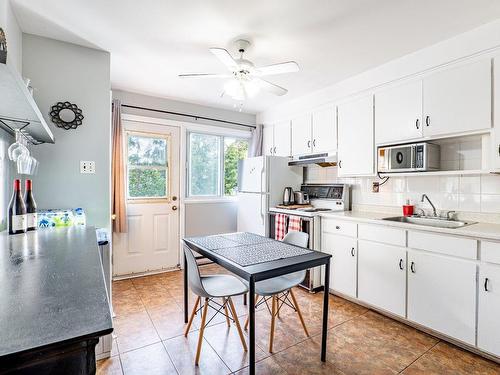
[{"x": 51, "y": 289}]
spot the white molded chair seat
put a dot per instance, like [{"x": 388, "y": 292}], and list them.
[
  {"x": 223, "y": 286},
  {"x": 279, "y": 284}
]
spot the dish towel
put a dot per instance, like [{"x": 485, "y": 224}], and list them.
[
  {"x": 294, "y": 224},
  {"x": 280, "y": 226}
]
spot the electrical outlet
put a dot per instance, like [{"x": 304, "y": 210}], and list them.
[{"x": 87, "y": 166}]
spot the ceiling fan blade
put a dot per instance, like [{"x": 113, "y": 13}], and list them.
[
  {"x": 203, "y": 75},
  {"x": 270, "y": 87},
  {"x": 224, "y": 57},
  {"x": 286, "y": 67}
]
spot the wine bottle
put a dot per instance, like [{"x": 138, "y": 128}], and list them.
[
  {"x": 17, "y": 210},
  {"x": 29, "y": 202}
]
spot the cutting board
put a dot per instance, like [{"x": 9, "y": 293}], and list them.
[{"x": 293, "y": 206}]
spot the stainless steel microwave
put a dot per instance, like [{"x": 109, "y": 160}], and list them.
[{"x": 414, "y": 157}]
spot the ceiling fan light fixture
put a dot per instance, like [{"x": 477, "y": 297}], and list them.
[{"x": 240, "y": 89}]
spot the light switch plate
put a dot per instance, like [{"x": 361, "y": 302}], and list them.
[{"x": 87, "y": 166}]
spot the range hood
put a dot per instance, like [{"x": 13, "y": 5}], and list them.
[{"x": 326, "y": 159}]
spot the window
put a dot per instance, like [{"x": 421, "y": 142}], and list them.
[
  {"x": 213, "y": 164},
  {"x": 147, "y": 166}
]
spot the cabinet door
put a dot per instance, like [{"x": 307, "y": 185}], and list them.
[
  {"x": 343, "y": 265},
  {"x": 268, "y": 140},
  {"x": 382, "y": 276},
  {"x": 282, "y": 135},
  {"x": 458, "y": 100},
  {"x": 355, "y": 137},
  {"x": 301, "y": 135},
  {"x": 442, "y": 294},
  {"x": 398, "y": 113},
  {"x": 495, "y": 137},
  {"x": 488, "y": 330},
  {"x": 324, "y": 129}
]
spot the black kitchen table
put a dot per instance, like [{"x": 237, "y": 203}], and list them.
[{"x": 256, "y": 258}]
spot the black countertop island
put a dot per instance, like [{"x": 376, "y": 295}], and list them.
[{"x": 53, "y": 301}]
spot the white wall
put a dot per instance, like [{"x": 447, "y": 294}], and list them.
[
  {"x": 13, "y": 34},
  {"x": 66, "y": 72}
]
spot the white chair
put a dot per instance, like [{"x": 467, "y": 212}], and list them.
[
  {"x": 209, "y": 288},
  {"x": 279, "y": 288}
]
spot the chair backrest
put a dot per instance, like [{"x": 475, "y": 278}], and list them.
[
  {"x": 194, "y": 278},
  {"x": 296, "y": 238}
]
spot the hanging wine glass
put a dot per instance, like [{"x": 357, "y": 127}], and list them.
[{"x": 17, "y": 149}]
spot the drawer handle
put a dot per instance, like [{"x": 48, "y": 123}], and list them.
[
  {"x": 352, "y": 252},
  {"x": 401, "y": 266},
  {"x": 486, "y": 282},
  {"x": 337, "y": 227},
  {"x": 412, "y": 267}
]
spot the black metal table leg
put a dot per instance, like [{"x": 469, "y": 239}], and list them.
[
  {"x": 245, "y": 299},
  {"x": 325, "y": 311},
  {"x": 251, "y": 320},
  {"x": 186, "y": 302}
]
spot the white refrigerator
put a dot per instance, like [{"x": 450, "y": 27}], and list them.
[{"x": 261, "y": 181}]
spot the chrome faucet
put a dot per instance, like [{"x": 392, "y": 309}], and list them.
[{"x": 424, "y": 196}]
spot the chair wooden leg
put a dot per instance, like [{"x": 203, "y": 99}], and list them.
[
  {"x": 273, "y": 320},
  {"x": 298, "y": 312},
  {"x": 224, "y": 301},
  {"x": 202, "y": 329},
  {"x": 245, "y": 327},
  {"x": 192, "y": 317},
  {"x": 237, "y": 322}
]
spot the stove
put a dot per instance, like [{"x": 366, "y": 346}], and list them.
[{"x": 324, "y": 198}]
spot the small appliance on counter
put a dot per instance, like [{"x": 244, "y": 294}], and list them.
[
  {"x": 414, "y": 157},
  {"x": 288, "y": 196},
  {"x": 301, "y": 197}
]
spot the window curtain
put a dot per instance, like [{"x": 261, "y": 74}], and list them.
[
  {"x": 118, "y": 206},
  {"x": 256, "y": 142}
]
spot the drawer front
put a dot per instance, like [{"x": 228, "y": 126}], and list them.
[
  {"x": 379, "y": 233},
  {"x": 443, "y": 244},
  {"x": 343, "y": 227},
  {"x": 490, "y": 252}
]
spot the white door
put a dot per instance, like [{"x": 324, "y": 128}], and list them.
[
  {"x": 488, "y": 330},
  {"x": 344, "y": 261},
  {"x": 382, "y": 276},
  {"x": 268, "y": 140},
  {"x": 442, "y": 294},
  {"x": 398, "y": 113},
  {"x": 355, "y": 137},
  {"x": 324, "y": 129},
  {"x": 301, "y": 135},
  {"x": 282, "y": 139},
  {"x": 152, "y": 186},
  {"x": 458, "y": 99}
]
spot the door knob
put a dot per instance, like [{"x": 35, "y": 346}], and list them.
[
  {"x": 174, "y": 208},
  {"x": 174, "y": 198}
]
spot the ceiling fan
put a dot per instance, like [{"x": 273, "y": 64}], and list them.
[{"x": 246, "y": 79}]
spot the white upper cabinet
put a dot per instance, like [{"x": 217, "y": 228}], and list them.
[
  {"x": 398, "y": 113},
  {"x": 301, "y": 135},
  {"x": 495, "y": 139},
  {"x": 324, "y": 129},
  {"x": 458, "y": 99},
  {"x": 282, "y": 138},
  {"x": 488, "y": 330},
  {"x": 355, "y": 137},
  {"x": 268, "y": 140}
]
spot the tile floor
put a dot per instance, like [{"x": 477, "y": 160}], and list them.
[{"x": 149, "y": 340}]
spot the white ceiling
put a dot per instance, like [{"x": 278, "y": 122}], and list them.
[{"x": 151, "y": 41}]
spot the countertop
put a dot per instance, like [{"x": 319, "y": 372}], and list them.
[
  {"x": 52, "y": 289},
  {"x": 480, "y": 230}
]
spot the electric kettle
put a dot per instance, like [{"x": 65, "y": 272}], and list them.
[{"x": 288, "y": 198}]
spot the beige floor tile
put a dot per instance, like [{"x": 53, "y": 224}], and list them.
[
  {"x": 168, "y": 320},
  {"x": 109, "y": 366},
  {"x": 134, "y": 331},
  {"x": 150, "y": 360},
  {"x": 268, "y": 366}
]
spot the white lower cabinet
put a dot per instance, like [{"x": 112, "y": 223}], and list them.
[
  {"x": 488, "y": 329},
  {"x": 343, "y": 273},
  {"x": 382, "y": 276},
  {"x": 442, "y": 294}
]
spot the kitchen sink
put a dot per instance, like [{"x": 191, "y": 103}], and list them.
[{"x": 429, "y": 221}]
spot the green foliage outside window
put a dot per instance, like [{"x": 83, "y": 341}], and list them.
[{"x": 233, "y": 152}]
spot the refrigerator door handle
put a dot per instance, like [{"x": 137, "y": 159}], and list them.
[{"x": 262, "y": 216}]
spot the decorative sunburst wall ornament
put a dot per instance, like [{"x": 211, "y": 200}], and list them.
[{"x": 66, "y": 115}]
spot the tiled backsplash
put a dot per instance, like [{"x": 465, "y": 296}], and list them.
[{"x": 468, "y": 195}]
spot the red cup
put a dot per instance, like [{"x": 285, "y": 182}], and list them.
[{"x": 407, "y": 210}]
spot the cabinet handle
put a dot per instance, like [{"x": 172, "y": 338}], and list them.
[
  {"x": 412, "y": 267},
  {"x": 486, "y": 282},
  {"x": 274, "y": 151},
  {"x": 314, "y": 142},
  {"x": 308, "y": 144},
  {"x": 417, "y": 124},
  {"x": 401, "y": 266},
  {"x": 337, "y": 227},
  {"x": 271, "y": 150},
  {"x": 499, "y": 149},
  {"x": 340, "y": 163},
  {"x": 427, "y": 120},
  {"x": 352, "y": 252}
]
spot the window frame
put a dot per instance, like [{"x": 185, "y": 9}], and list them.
[
  {"x": 168, "y": 178},
  {"x": 221, "y": 178}
]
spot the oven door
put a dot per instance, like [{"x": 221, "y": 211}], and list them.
[{"x": 401, "y": 159}]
